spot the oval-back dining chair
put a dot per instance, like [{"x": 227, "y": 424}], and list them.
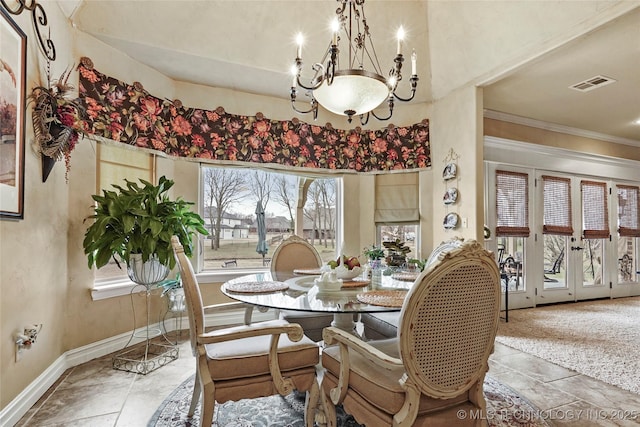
[
  {"x": 436, "y": 365},
  {"x": 296, "y": 253},
  {"x": 248, "y": 361}
]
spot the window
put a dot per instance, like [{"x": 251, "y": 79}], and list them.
[
  {"x": 407, "y": 233},
  {"x": 557, "y": 228},
  {"x": 628, "y": 232},
  {"x": 512, "y": 204},
  {"x": 595, "y": 211},
  {"x": 114, "y": 165},
  {"x": 512, "y": 226},
  {"x": 557, "y": 206},
  {"x": 397, "y": 212},
  {"x": 293, "y": 204}
]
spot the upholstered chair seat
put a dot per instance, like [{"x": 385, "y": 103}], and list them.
[
  {"x": 248, "y": 361},
  {"x": 376, "y": 392},
  {"x": 435, "y": 365}
]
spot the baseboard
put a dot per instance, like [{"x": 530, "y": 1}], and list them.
[{"x": 18, "y": 407}]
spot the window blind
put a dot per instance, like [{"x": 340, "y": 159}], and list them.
[
  {"x": 595, "y": 211},
  {"x": 512, "y": 204},
  {"x": 115, "y": 164},
  {"x": 628, "y": 208},
  {"x": 557, "y": 206},
  {"x": 396, "y": 198}
]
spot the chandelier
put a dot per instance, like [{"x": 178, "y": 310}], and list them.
[{"x": 349, "y": 81}]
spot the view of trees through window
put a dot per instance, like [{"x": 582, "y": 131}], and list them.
[{"x": 233, "y": 199}]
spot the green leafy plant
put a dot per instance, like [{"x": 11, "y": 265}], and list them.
[
  {"x": 374, "y": 252},
  {"x": 419, "y": 263},
  {"x": 140, "y": 220}
]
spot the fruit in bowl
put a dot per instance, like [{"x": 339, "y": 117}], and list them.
[{"x": 345, "y": 267}]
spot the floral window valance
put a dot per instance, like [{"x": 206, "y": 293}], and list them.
[{"x": 126, "y": 113}]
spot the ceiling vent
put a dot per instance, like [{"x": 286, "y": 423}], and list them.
[{"x": 592, "y": 83}]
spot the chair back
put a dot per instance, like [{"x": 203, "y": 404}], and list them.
[
  {"x": 193, "y": 298},
  {"x": 294, "y": 252},
  {"x": 449, "y": 321}
]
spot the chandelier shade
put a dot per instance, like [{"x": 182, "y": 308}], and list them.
[
  {"x": 353, "y": 92},
  {"x": 358, "y": 88}
]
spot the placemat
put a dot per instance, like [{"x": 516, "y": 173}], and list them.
[
  {"x": 355, "y": 283},
  {"x": 309, "y": 271},
  {"x": 405, "y": 277},
  {"x": 256, "y": 287},
  {"x": 383, "y": 298}
]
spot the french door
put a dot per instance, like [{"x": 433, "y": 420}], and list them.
[
  {"x": 626, "y": 243},
  {"x": 591, "y": 252},
  {"x": 575, "y": 241}
]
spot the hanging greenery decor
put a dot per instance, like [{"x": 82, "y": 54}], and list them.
[{"x": 56, "y": 119}]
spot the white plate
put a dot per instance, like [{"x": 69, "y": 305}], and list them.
[
  {"x": 451, "y": 221},
  {"x": 449, "y": 171},
  {"x": 451, "y": 196}
]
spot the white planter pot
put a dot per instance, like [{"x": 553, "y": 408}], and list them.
[{"x": 146, "y": 273}]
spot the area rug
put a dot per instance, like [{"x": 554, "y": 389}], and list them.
[
  {"x": 599, "y": 339},
  {"x": 504, "y": 408}
]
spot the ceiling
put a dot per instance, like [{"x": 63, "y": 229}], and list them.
[{"x": 249, "y": 46}]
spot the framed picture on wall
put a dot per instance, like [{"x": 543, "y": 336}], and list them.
[{"x": 13, "y": 61}]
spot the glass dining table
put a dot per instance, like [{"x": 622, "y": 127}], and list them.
[{"x": 300, "y": 293}]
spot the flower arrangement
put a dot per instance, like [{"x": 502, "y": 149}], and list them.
[{"x": 55, "y": 119}]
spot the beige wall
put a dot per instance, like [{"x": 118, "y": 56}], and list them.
[
  {"x": 44, "y": 277},
  {"x": 33, "y": 251},
  {"x": 457, "y": 124}
]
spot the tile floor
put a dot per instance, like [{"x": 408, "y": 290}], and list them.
[{"x": 93, "y": 394}]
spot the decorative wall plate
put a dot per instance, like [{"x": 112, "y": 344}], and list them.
[
  {"x": 451, "y": 221},
  {"x": 449, "y": 171},
  {"x": 451, "y": 196}
]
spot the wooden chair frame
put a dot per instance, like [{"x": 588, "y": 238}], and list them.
[
  {"x": 418, "y": 378},
  {"x": 205, "y": 384}
]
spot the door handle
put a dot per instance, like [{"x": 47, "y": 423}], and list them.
[{"x": 576, "y": 248}]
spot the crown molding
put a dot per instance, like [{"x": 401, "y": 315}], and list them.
[{"x": 525, "y": 121}]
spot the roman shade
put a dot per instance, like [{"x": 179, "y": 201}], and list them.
[
  {"x": 557, "y": 206},
  {"x": 396, "y": 198},
  {"x": 595, "y": 211},
  {"x": 512, "y": 204},
  {"x": 628, "y": 208}
]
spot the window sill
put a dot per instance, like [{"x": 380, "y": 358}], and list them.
[{"x": 125, "y": 287}]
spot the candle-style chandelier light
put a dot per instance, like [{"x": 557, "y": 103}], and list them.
[{"x": 349, "y": 81}]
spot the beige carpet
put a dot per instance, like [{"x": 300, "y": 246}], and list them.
[{"x": 600, "y": 339}]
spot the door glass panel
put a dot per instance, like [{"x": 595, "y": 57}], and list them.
[
  {"x": 555, "y": 274},
  {"x": 511, "y": 259},
  {"x": 627, "y": 263},
  {"x": 592, "y": 251}
]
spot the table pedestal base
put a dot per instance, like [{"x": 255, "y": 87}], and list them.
[{"x": 345, "y": 322}]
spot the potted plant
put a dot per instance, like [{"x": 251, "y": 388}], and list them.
[
  {"x": 396, "y": 252},
  {"x": 134, "y": 225},
  {"x": 374, "y": 254}
]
